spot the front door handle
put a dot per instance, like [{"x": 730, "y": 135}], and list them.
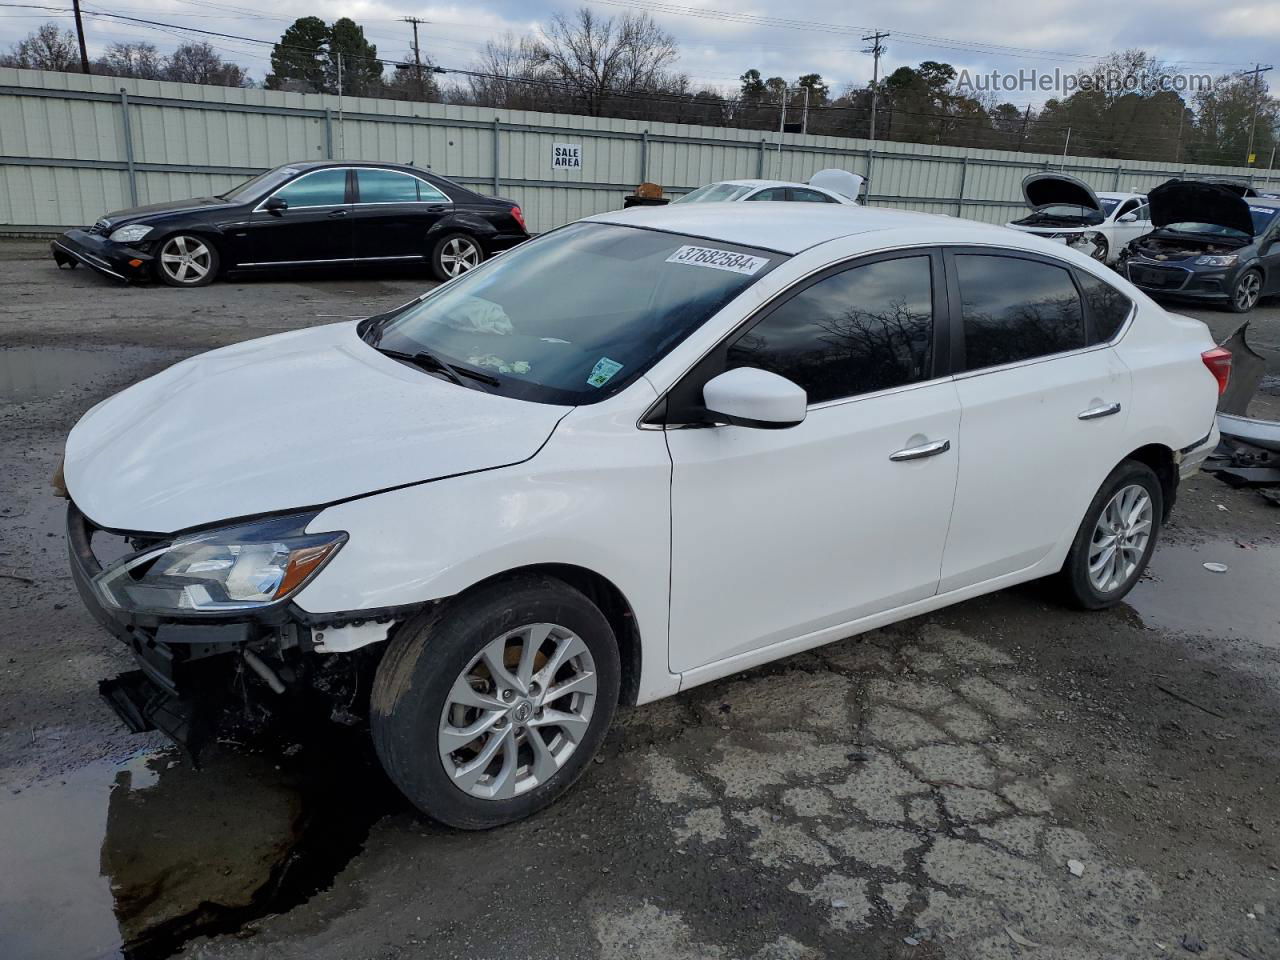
[
  {"x": 1094, "y": 413},
  {"x": 931, "y": 449},
  {"x": 337, "y": 213}
]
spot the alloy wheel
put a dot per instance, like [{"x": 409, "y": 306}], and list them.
[
  {"x": 517, "y": 712},
  {"x": 1247, "y": 290},
  {"x": 1120, "y": 538},
  {"x": 186, "y": 260},
  {"x": 459, "y": 255}
]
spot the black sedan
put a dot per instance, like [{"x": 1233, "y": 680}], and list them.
[
  {"x": 1211, "y": 243},
  {"x": 301, "y": 215}
]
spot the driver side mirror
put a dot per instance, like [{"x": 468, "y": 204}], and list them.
[
  {"x": 1128, "y": 218},
  {"x": 750, "y": 397},
  {"x": 276, "y": 206}
]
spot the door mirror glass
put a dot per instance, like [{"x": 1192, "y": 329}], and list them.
[
  {"x": 1129, "y": 218},
  {"x": 277, "y": 205},
  {"x": 751, "y": 397}
]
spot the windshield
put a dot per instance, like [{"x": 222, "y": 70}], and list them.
[
  {"x": 576, "y": 315},
  {"x": 1073, "y": 210},
  {"x": 262, "y": 183},
  {"x": 1107, "y": 205},
  {"x": 716, "y": 193},
  {"x": 1261, "y": 216}
]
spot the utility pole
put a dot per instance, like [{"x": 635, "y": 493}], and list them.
[
  {"x": 876, "y": 50},
  {"x": 1026, "y": 120},
  {"x": 1257, "y": 71},
  {"x": 84, "y": 54},
  {"x": 417, "y": 55},
  {"x": 1066, "y": 143}
]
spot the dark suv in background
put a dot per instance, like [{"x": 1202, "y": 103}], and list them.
[{"x": 301, "y": 215}]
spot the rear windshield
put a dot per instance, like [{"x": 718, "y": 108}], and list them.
[
  {"x": 717, "y": 193},
  {"x": 578, "y": 314}
]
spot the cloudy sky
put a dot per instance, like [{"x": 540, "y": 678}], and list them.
[{"x": 719, "y": 39}]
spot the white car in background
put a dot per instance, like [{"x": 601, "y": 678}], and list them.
[
  {"x": 825, "y": 186},
  {"x": 1068, "y": 211},
  {"x": 638, "y": 453}
]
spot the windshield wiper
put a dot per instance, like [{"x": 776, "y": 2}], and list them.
[{"x": 426, "y": 360}]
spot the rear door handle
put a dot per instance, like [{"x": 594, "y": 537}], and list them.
[
  {"x": 931, "y": 449},
  {"x": 337, "y": 213},
  {"x": 1094, "y": 413},
  {"x": 436, "y": 208}
]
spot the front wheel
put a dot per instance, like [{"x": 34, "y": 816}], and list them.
[
  {"x": 490, "y": 708},
  {"x": 454, "y": 254},
  {"x": 1115, "y": 539},
  {"x": 187, "y": 261},
  {"x": 1244, "y": 296}
]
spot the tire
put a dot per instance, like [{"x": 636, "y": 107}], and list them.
[
  {"x": 187, "y": 260},
  {"x": 1101, "y": 250},
  {"x": 1246, "y": 292},
  {"x": 1096, "y": 590},
  {"x": 436, "y": 678},
  {"x": 454, "y": 254}
]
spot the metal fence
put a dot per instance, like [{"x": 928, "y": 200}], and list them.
[{"x": 73, "y": 147}]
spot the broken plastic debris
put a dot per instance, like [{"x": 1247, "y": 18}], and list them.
[
  {"x": 1018, "y": 938},
  {"x": 839, "y": 904},
  {"x": 1076, "y": 868},
  {"x": 1213, "y": 567},
  {"x": 911, "y": 941}
]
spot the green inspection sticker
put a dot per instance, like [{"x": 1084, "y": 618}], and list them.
[{"x": 602, "y": 371}]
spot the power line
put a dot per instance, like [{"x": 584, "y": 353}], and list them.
[{"x": 876, "y": 49}]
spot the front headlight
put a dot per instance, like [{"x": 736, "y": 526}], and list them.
[
  {"x": 130, "y": 234},
  {"x": 236, "y": 568},
  {"x": 1217, "y": 261}
]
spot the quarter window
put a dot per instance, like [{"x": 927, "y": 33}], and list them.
[
  {"x": 1108, "y": 307},
  {"x": 867, "y": 328},
  {"x": 810, "y": 196},
  {"x": 1015, "y": 309},
  {"x": 324, "y": 188}
]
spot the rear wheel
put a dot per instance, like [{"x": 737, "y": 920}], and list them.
[
  {"x": 1244, "y": 295},
  {"x": 186, "y": 260},
  {"x": 1115, "y": 539},
  {"x": 488, "y": 710},
  {"x": 454, "y": 254}
]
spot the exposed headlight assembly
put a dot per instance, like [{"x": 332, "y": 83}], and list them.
[
  {"x": 235, "y": 568},
  {"x": 130, "y": 234},
  {"x": 1217, "y": 261}
]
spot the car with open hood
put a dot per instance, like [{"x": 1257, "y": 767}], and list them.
[
  {"x": 1210, "y": 243},
  {"x": 1067, "y": 210},
  {"x": 301, "y": 216},
  {"x": 642, "y": 452}
]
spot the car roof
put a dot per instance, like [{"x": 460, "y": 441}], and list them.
[
  {"x": 322, "y": 164},
  {"x": 1266, "y": 200},
  {"x": 1119, "y": 196},
  {"x": 790, "y": 228}
]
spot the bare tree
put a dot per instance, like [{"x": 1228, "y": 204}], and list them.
[
  {"x": 601, "y": 57},
  {"x": 140, "y": 60},
  {"x": 46, "y": 48},
  {"x": 200, "y": 63},
  {"x": 510, "y": 73}
]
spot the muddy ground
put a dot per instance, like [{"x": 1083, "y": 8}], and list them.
[{"x": 923, "y": 791}]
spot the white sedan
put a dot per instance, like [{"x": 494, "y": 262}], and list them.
[
  {"x": 641, "y": 452},
  {"x": 1069, "y": 211},
  {"x": 825, "y": 186}
]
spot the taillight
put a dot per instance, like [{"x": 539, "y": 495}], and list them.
[
  {"x": 1218, "y": 360},
  {"x": 519, "y": 215}
]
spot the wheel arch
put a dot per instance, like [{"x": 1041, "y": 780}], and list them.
[
  {"x": 1160, "y": 459},
  {"x": 601, "y": 591},
  {"x": 208, "y": 234}
]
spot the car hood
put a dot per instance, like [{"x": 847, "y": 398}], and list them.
[
  {"x": 295, "y": 420},
  {"x": 1044, "y": 189},
  {"x": 116, "y": 217},
  {"x": 1191, "y": 201}
]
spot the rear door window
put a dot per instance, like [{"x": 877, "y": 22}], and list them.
[
  {"x": 804, "y": 195},
  {"x": 386, "y": 186},
  {"x": 1016, "y": 309},
  {"x": 770, "y": 193}
]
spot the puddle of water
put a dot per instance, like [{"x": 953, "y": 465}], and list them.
[
  {"x": 1180, "y": 595},
  {"x": 132, "y": 860},
  {"x": 37, "y": 373}
]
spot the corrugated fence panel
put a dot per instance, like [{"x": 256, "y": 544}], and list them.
[{"x": 65, "y": 158}]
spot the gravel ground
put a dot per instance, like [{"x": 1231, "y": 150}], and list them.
[{"x": 1005, "y": 778}]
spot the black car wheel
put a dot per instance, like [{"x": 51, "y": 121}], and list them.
[
  {"x": 1244, "y": 296},
  {"x": 454, "y": 254},
  {"x": 491, "y": 706},
  {"x": 185, "y": 260}
]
